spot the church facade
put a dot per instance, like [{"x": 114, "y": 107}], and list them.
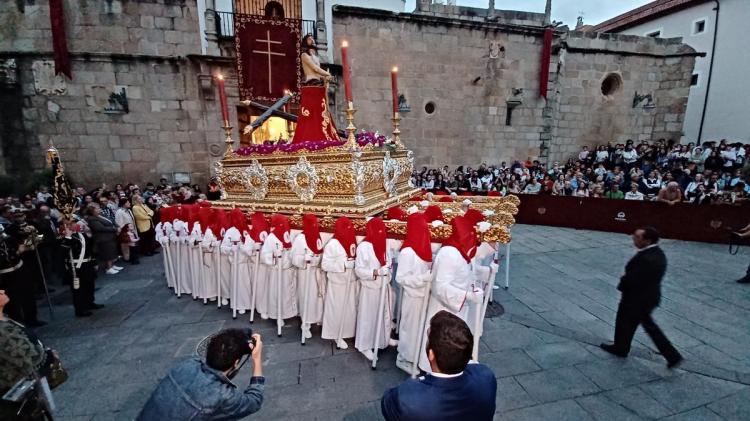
[{"x": 142, "y": 101}]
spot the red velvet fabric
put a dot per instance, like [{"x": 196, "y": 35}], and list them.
[
  {"x": 396, "y": 213},
  {"x": 418, "y": 236},
  {"x": 59, "y": 39},
  {"x": 493, "y": 193},
  {"x": 463, "y": 237},
  {"x": 546, "y": 57},
  {"x": 311, "y": 229},
  {"x": 375, "y": 234},
  {"x": 259, "y": 227},
  {"x": 314, "y": 122},
  {"x": 252, "y": 36},
  {"x": 446, "y": 199},
  {"x": 344, "y": 233}
]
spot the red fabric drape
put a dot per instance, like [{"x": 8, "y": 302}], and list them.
[
  {"x": 59, "y": 41},
  {"x": 314, "y": 122},
  {"x": 546, "y": 56}
]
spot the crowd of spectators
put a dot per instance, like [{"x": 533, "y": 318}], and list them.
[
  {"x": 665, "y": 171},
  {"x": 120, "y": 219}
]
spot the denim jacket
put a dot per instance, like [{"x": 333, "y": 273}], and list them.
[{"x": 194, "y": 391}]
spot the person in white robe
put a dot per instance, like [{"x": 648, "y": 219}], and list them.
[
  {"x": 454, "y": 285},
  {"x": 340, "y": 304},
  {"x": 209, "y": 249},
  {"x": 373, "y": 268},
  {"x": 259, "y": 231},
  {"x": 180, "y": 258},
  {"x": 275, "y": 252},
  {"x": 307, "y": 248},
  {"x": 413, "y": 276},
  {"x": 229, "y": 245},
  {"x": 163, "y": 231},
  {"x": 194, "y": 250},
  {"x": 242, "y": 294}
]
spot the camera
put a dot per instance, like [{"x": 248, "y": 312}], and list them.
[{"x": 250, "y": 341}]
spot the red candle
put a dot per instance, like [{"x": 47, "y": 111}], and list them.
[
  {"x": 223, "y": 99},
  {"x": 394, "y": 88},
  {"x": 346, "y": 71}
]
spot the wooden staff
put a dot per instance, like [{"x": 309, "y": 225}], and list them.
[{"x": 379, "y": 324}]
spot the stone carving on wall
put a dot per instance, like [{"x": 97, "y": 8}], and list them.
[
  {"x": 497, "y": 50},
  {"x": 45, "y": 80},
  {"x": 8, "y": 72}
]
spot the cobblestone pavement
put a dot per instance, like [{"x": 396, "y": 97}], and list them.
[{"x": 560, "y": 305}]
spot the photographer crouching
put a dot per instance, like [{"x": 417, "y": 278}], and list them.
[{"x": 202, "y": 390}]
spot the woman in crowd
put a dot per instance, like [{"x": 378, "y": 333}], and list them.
[
  {"x": 144, "y": 224},
  {"x": 104, "y": 234}
]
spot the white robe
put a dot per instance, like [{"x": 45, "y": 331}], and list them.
[
  {"x": 368, "y": 336},
  {"x": 338, "y": 307},
  {"x": 287, "y": 284},
  {"x": 413, "y": 276},
  {"x": 194, "y": 253},
  {"x": 210, "y": 252},
  {"x": 453, "y": 279},
  {"x": 163, "y": 233},
  {"x": 245, "y": 270},
  {"x": 311, "y": 282},
  {"x": 180, "y": 258}
]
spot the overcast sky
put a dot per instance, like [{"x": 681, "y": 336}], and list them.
[{"x": 593, "y": 11}]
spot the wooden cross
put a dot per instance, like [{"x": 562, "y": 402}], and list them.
[{"x": 269, "y": 53}]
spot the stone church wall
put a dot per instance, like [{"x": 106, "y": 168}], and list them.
[
  {"x": 469, "y": 70},
  {"x": 150, "y": 48}
]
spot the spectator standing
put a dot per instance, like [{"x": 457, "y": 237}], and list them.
[
  {"x": 457, "y": 389},
  {"x": 144, "y": 223},
  {"x": 104, "y": 233},
  {"x": 106, "y": 210}
]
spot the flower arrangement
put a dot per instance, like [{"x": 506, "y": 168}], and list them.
[{"x": 364, "y": 138}]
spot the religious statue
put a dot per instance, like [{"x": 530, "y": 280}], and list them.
[{"x": 314, "y": 122}]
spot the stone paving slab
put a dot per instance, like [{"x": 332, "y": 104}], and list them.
[{"x": 561, "y": 304}]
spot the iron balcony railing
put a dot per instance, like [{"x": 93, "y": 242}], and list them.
[{"x": 225, "y": 26}]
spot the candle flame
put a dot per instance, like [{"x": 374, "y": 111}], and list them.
[
  {"x": 220, "y": 76},
  {"x": 345, "y": 44},
  {"x": 395, "y": 69},
  {"x": 287, "y": 92}
]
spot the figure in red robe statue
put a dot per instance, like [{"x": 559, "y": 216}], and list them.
[{"x": 314, "y": 122}]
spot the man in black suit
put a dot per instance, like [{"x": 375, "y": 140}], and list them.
[
  {"x": 641, "y": 293},
  {"x": 456, "y": 389}
]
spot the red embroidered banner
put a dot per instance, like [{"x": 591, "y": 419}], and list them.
[
  {"x": 59, "y": 41},
  {"x": 544, "y": 71},
  {"x": 268, "y": 56}
]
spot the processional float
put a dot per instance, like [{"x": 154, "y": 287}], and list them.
[{"x": 358, "y": 175}]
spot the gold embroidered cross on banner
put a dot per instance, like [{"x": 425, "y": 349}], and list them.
[{"x": 269, "y": 53}]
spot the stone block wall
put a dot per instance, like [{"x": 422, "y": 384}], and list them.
[
  {"x": 151, "y": 27},
  {"x": 449, "y": 66},
  {"x": 151, "y": 49},
  {"x": 470, "y": 69},
  {"x": 585, "y": 116}
]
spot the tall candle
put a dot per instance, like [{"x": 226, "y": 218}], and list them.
[
  {"x": 223, "y": 99},
  {"x": 394, "y": 89},
  {"x": 346, "y": 71}
]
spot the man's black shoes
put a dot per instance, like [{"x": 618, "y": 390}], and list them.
[
  {"x": 674, "y": 363},
  {"x": 612, "y": 350}
]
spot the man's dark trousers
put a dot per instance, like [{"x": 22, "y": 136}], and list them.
[{"x": 629, "y": 316}]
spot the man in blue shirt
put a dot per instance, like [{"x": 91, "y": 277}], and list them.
[
  {"x": 456, "y": 390},
  {"x": 198, "y": 390}
]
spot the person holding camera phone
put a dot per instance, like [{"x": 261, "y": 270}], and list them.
[
  {"x": 744, "y": 233},
  {"x": 203, "y": 390}
]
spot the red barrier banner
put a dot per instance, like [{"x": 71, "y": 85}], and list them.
[
  {"x": 682, "y": 221},
  {"x": 268, "y": 57}
]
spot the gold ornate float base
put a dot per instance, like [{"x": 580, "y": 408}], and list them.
[{"x": 333, "y": 182}]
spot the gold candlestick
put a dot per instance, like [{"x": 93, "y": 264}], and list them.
[
  {"x": 396, "y": 132},
  {"x": 351, "y": 140},
  {"x": 228, "y": 139}
]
